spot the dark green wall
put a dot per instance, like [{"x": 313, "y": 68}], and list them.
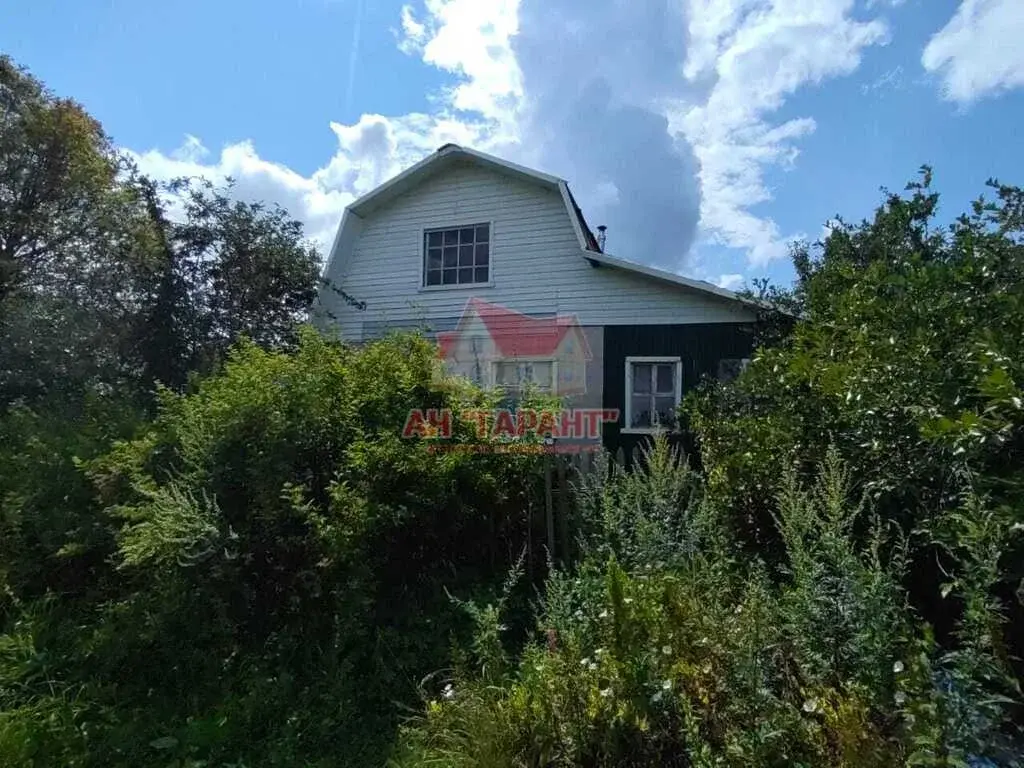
[{"x": 700, "y": 346}]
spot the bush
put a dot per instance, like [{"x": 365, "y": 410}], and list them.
[
  {"x": 275, "y": 569},
  {"x": 708, "y": 658},
  {"x": 907, "y": 357}
]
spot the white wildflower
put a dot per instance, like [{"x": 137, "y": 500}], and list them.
[
  {"x": 666, "y": 685},
  {"x": 897, "y": 667},
  {"x": 603, "y": 615},
  {"x": 605, "y": 693},
  {"x": 811, "y": 705},
  {"x": 449, "y": 691},
  {"x": 584, "y": 661},
  {"x": 666, "y": 649}
]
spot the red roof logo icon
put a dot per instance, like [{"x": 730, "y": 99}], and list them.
[
  {"x": 488, "y": 334},
  {"x": 516, "y": 335}
]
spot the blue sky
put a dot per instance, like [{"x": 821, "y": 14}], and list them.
[{"x": 706, "y": 133}]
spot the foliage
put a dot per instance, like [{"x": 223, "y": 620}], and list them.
[
  {"x": 228, "y": 269},
  {"x": 217, "y": 549},
  {"x": 246, "y": 602},
  {"x": 101, "y": 288},
  {"x": 907, "y": 357},
  {"x": 711, "y": 659}
]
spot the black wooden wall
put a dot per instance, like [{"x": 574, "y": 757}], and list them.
[{"x": 699, "y": 345}]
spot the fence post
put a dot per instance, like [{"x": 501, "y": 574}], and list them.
[
  {"x": 563, "y": 510},
  {"x": 549, "y": 508}
]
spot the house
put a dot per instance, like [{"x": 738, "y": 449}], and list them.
[{"x": 497, "y": 261}]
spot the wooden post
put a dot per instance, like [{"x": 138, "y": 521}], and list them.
[
  {"x": 549, "y": 507},
  {"x": 529, "y": 540},
  {"x": 563, "y": 510}
]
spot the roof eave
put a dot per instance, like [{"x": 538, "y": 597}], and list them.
[{"x": 604, "y": 259}]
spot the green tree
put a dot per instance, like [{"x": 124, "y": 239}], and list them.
[
  {"x": 908, "y": 357},
  {"x": 75, "y": 247},
  {"x": 228, "y": 269},
  {"x": 102, "y": 287}
]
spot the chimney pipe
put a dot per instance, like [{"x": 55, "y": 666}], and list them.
[{"x": 602, "y": 236}]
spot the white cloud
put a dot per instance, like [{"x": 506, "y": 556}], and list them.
[
  {"x": 658, "y": 113},
  {"x": 369, "y": 152},
  {"x": 256, "y": 179},
  {"x": 413, "y": 35},
  {"x": 892, "y": 79},
  {"x": 730, "y": 282},
  {"x": 751, "y": 56},
  {"x": 470, "y": 39},
  {"x": 978, "y": 52}
]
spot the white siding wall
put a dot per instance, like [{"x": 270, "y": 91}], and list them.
[{"x": 536, "y": 263}]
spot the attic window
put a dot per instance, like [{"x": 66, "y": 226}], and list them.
[{"x": 460, "y": 256}]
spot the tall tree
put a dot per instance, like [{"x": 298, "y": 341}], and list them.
[
  {"x": 103, "y": 283},
  {"x": 75, "y": 247},
  {"x": 245, "y": 269}
]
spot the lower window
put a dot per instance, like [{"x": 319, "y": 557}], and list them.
[{"x": 653, "y": 392}]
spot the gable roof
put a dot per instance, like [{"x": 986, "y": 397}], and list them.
[
  {"x": 436, "y": 162},
  {"x": 514, "y": 333},
  {"x": 450, "y": 154}
]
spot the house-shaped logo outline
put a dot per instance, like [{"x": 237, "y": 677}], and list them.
[{"x": 489, "y": 333}]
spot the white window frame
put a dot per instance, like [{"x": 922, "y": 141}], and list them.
[
  {"x": 627, "y": 410},
  {"x": 517, "y": 361},
  {"x": 456, "y": 286}
]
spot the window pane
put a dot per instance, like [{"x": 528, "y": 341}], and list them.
[
  {"x": 640, "y": 411},
  {"x": 466, "y": 275},
  {"x": 482, "y": 254},
  {"x": 480, "y": 275},
  {"x": 504, "y": 373},
  {"x": 434, "y": 258},
  {"x": 451, "y": 276},
  {"x": 465, "y": 255},
  {"x": 666, "y": 407},
  {"x": 666, "y": 377},
  {"x": 642, "y": 378},
  {"x": 434, "y": 277},
  {"x": 433, "y": 239},
  {"x": 466, "y": 236},
  {"x": 451, "y": 257},
  {"x": 540, "y": 374},
  {"x": 451, "y": 237},
  {"x": 483, "y": 233}
]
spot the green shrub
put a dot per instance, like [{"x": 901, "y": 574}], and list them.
[
  {"x": 276, "y": 556},
  {"x": 708, "y": 658},
  {"x": 907, "y": 356}
]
